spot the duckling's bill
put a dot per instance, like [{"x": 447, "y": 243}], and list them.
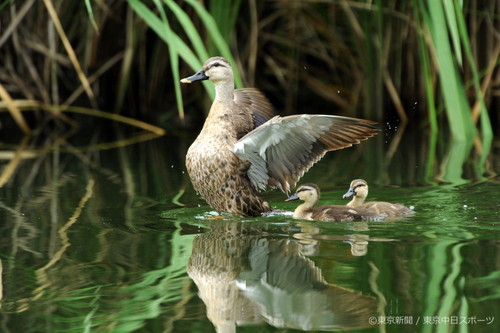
[
  {"x": 349, "y": 193},
  {"x": 200, "y": 76},
  {"x": 293, "y": 197}
]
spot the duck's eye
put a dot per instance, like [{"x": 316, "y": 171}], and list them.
[
  {"x": 216, "y": 64},
  {"x": 359, "y": 185}
]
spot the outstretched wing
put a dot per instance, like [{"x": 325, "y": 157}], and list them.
[
  {"x": 284, "y": 148},
  {"x": 251, "y": 109}
]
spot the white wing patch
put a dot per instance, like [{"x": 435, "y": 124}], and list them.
[
  {"x": 284, "y": 148},
  {"x": 279, "y": 146}
]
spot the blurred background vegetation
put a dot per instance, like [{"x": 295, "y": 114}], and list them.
[
  {"x": 428, "y": 69},
  {"x": 431, "y": 64}
]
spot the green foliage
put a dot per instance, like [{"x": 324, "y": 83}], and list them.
[
  {"x": 195, "y": 55},
  {"x": 449, "y": 38},
  {"x": 371, "y": 59},
  {"x": 225, "y": 13},
  {"x": 452, "y": 87},
  {"x": 91, "y": 14}
]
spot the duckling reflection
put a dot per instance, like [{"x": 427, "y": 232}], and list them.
[
  {"x": 358, "y": 189},
  {"x": 310, "y": 194},
  {"x": 244, "y": 278},
  {"x": 311, "y": 234}
]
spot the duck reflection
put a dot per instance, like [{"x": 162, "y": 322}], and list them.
[{"x": 245, "y": 278}]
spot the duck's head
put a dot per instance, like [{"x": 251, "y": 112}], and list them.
[
  {"x": 215, "y": 69},
  {"x": 358, "y": 189},
  {"x": 308, "y": 192}
]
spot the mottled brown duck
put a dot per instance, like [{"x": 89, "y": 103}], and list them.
[
  {"x": 243, "y": 147},
  {"x": 310, "y": 193},
  {"x": 358, "y": 189}
]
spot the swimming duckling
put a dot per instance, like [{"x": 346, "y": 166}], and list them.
[
  {"x": 310, "y": 194},
  {"x": 359, "y": 190},
  {"x": 242, "y": 148}
]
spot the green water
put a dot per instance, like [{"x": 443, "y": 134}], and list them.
[{"x": 116, "y": 240}]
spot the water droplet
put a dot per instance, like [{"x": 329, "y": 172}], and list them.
[{"x": 465, "y": 206}]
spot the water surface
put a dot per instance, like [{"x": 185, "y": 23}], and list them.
[{"x": 116, "y": 240}]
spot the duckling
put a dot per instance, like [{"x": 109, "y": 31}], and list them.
[
  {"x": 310, "y": 194},
  {"x": 359, "y": 190},
  {"x": 243, "y": 148}
]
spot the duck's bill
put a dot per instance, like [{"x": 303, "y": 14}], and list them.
[
  {"x": 292, "y": 197},
  {"x": 200, "y": 76},
  {"x": 348, "y": 194}
]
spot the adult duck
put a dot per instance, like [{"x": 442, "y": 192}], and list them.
[
  {"x": 310, "y": 193},
  {"x": 358, "y": 189},
  {"x": 242, "y": 148}
]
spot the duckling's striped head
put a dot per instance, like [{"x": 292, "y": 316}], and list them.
[
  {"x": 308, "y": 192},
  {"x": 215, "y": 69},
  {"x": 358, "y": 188}
]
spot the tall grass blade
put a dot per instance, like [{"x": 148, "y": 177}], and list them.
[
  {"x": 191, "y": 31},
  {"x": 25, "y": 105},
  {"x": 174, "y": 59},
  {"x": 14, "y": 110},
  {"x": 172, "y": 39},
  {"x": 70, "y": 51},
  {"x": 449, "y": 9},
  {"x": 11, "y": 28},
  {"x": 178, "y": 48},
  {"x": 456, "y": 104},
  {"x": 225, "y": 14},
  {"x": 91, "y": 14},
  {"x": 216, "y": 36},
  {"x": 487, "y": 131},
  {"x": 429, "y": 93}
]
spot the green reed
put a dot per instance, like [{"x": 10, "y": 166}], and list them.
[
  {"x": 371, "y": 59},
  {"x": 448, "y": 39},
  {"x": 195, "y": 53}
]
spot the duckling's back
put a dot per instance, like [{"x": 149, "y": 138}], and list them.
[{"x": 390, "y": 209}]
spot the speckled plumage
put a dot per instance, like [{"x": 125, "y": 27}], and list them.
[
  {"x": 359, "y": 190},
  {"x": 310, "y": 194},
  {"x": 217, "y": 173},
  {"x": 242, "y": 148}
]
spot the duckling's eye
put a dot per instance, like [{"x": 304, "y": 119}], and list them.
[
  {"x": 359, "y": 185},
  {"x": 216, "y": 64}
]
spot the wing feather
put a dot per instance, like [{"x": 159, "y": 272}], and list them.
[
  {"x": 251, "y": 110},
  {"x": 284, "y": 148}
]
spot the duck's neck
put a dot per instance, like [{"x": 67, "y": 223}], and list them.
[
  {"x": 356, "y": 202},
  {"x": 308, "y": 205},
  {"x": 219, "y": 122},
  {"x": 302, "y": 210},
  {"x": 224, "y": 91}
]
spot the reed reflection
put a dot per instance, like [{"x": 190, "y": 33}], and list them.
[{"x": 245, "y": 277}]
